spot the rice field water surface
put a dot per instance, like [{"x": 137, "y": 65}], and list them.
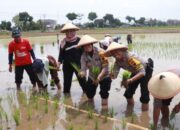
[{"x": 22, "y": 110}]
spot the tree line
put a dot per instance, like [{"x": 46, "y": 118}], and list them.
[{"x": 26, "y": 21}]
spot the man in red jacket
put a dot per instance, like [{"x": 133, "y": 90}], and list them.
[{"x": 23, "y": 51}]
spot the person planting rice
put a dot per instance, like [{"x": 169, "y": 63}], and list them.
[
  {"x": 70, "y": 56},
  {"x": 41, "y": 67},
  {"x": 163, "y": 87},
  {"x": 93, "y": 60},
  {"x": 141, "y": 72}
]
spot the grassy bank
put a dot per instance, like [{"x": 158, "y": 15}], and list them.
[{"x": 125, "y": 30}]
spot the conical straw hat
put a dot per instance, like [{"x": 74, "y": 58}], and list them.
[
  {"x": 69, "y": 26},
  {"x": 85, "y": 40},
  {"x": 115, "y": 46},
  {"x": 164, "y": 85}
]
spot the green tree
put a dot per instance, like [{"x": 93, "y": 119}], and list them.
[
  {"x": 109, "y": 18},
  {"x": 23, "y": 20},
  {"x": 92, "y": 16},
  {"x": 128, "y": 18},
  {"x": 5, "y": 25},
  {"x": 141, "y": 20},
  {"x": 26, "y": 19},
  {"x": 72, "y": 16}
]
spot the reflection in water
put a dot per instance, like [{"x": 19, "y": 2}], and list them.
[{"x": 145, "y": 46}]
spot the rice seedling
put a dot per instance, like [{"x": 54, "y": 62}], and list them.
[
  {"x": 76, "y": 67},
  {"x": 96, "y": 125},
  {"x": 56, "y": 104},
  {"x": 123, "y": 123},
  {"x": 71, "y": 127},
  {"x": 111, "y": 112},
  {"x": 172, "y": 115},
  {"x": 35, "y": 102},
  {"x": 126, "y": 75},
  {"x": 151, "y": 126},
  {"x": 95, "y": 70},
  {"x": 116, "y": 128},
  {"x": 29, "y": 114},
  {"x": 105, "y": 118},
  {"x": 16, "y": 116},
  {"x": 46, "y": 108},
  {"x": 90, "y": 113},
  {"x": 133, "y": 116}
]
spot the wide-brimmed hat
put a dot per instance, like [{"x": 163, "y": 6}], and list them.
[
  {"x": 164, "y": 85},
  {"x": 115, "y": 46},
  {"x": 69, "y": 26},
  {"x": 85, "y": 40}
]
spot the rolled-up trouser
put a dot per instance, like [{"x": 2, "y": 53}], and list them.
[
  {"x": 143, "y": 84},
  {"x": 105, "y": 85},
  {"x": 19, "y": 70}
]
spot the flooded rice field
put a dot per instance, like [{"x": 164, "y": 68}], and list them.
[{"x": 54, "y": 111}]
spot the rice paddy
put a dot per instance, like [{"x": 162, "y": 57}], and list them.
[{"x": 55, "y": 111}]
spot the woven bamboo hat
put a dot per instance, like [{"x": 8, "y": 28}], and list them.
[
  {"x": 85, "y": 40},
  {"x": 164, "y": 85},
  {"x": 69, "y": 26},
  {"x": 115, "y": 46}
]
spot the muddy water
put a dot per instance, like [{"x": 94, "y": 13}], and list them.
[{"x": 149, "y": 45}]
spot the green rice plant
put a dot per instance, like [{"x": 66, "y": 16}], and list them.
[
  {"x": 133, "y": 116},
  {"x": 29, "y": 114},
  {"x": 117, "y": 128},
  {"x": 90, "y": 114},
  {"x": 171, "y": 127},
  {"x": 6, "y": 117},
  {"x": 52, "y": 83},
  {"x": 35, "y": 102},
  {"x": 151, "y": 126},
  {"x": 105, "y": 118},
  {"x": 16, "y": 116},
  {"x": 172, "y": 115},
  {"x": 96, "y": 125},
  {"x": 123, "y": 122},
  {"x": 55, "y": 105},
  {"x": 76, "y": 67},
  {"x": 111, "y": 112},
  {"x": 71, "y": 127},
  {"x": 126, "y": 75},
  {"x": 95, "y": 70},
  {"x": 46, "y": 108}
]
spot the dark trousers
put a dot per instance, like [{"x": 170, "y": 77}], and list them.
[
  {"x": 105, "y": 85},
  {"x": 19, "y": 70},
  {"x": 68, "y": 71},
  {"x": 143, "y": 84}
]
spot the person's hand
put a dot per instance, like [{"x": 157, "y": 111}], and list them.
[
  {"x": 95, "y": 82},
  {"x": 58, "y": 65},
  {"x": 112, "y": 76},
  {"x": 10, "y": 67},
  {"x": 176, "y": 109},
  {"x": 81, "y": 74},
  {"x": 126, "y": 83}
]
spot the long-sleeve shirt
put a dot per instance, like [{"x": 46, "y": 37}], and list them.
[
  {"x": 97, "y": 62},
  {"x": 72, "y": 55},
  {"x": 132, "y": 63}
]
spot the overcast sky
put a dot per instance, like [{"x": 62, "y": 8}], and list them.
[{"x": 57, "y": 9}]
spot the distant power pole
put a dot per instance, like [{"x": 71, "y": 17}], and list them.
[{"x": 44, "y": 26}]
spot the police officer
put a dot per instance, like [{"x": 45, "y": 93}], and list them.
[
  {"x": 93, "y": 60},
  {"x": 141, "y": 72}
]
